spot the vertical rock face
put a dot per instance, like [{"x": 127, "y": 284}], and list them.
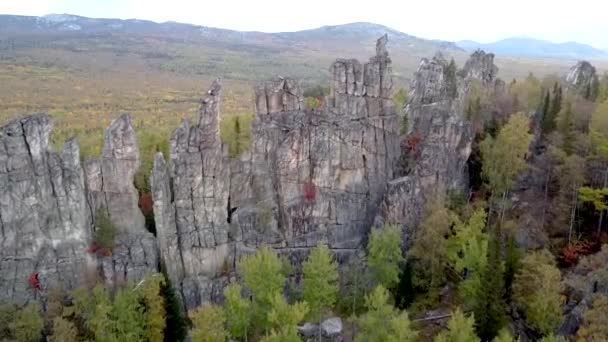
[
  {"x": 309, "y": 177},
  {"x": 439, "y": 138},
  {"x": 44, "y": 219},
  {"x": 110, "y": 188},
  {"x": 191, "y": 201},
  {"x": 582, "y": 79}
]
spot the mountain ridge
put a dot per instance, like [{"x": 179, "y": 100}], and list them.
[{"x": 527, "y": 46}]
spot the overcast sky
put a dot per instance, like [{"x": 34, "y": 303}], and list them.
[{"x": 585, "y": 21}]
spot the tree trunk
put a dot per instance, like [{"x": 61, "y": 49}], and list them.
[
  {"x": 542, "y": 222},
  {"x": 599, "y": 223},
  {"x": 572, "y": 212}
]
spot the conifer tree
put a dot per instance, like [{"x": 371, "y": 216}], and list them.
[
  {"x": 284, "y": 319},
  {"x": 320, "y": 281},
  {"x": 27, "y": 326},
  {"x": 489, "y": 307},
  {"x": 546, "y": 120},
  {"x": 512, "y": 259},
  {"x": 237, "y": 311},
  {"x": 263, "y": 275},
  {"x": 567, "y": 130},
  {"x": 460, "y": 329},
  {"x": 208, "y": 324},
  {"x": 384, "y": 255}
]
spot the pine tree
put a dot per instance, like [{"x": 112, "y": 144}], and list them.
[
  {"x": 154, "y": 307},
  {"x": 404, "y": 294},
  {"x": 208, "y": 324},
  {"x": 384, "y": 255},
  {"x": 460, "y": 329},
  {"x": 284, "y": 319},
  {"x": 512, "y": 258},
  {"x": 547, "y": 121},
  {"x": 63, "y": 331},
  {"x": 567, "y": 130},
  {"x": 537, "y": 290},
  {"x": 379, "y": 311},
  {"x": 467, "y": 252},
  {"x": 175, "y": 328},
  {"x": 27, "y": 327},
  {"x": 320, "y": 281},
  {"x": 489, "y": 308},
  {"x": 262, "y": 273},
  {"x": 237, "y": 311},
  {"x": 556, "y": 104}
]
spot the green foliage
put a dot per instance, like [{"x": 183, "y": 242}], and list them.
[
  {"x": 450, "y": 79},
  {"x": 235, "y": 131},
  {"x": 553, "y": 338},
  {"x": 404, "y": 293},
  {"x": 208, "y": 324},
  {"x": 284, "y": 318},
  {"x": 105, "y": 231},
  {"x": 63, "y": 331},
  {"x": 150, "y": 141},
  {"x": 527, "y": 91},
  {"x": 312, "y": 102},
  {"x": 126, "y": 317},
  {"x": 262, "y": 274},
  {"x": 354, "y": 284},
  {"x": 8, "y": 313},
  {"x": 512, "y": 264},
  {"x": 320, "y": 281},
  {"x": 467, "y": 253},
  {"x": 379, "y": 312},
  {"x": 175, "y": 324},
  {"x": 460, "y": 329},
  {"x": 598, "y": 131},
  {"x": 595, "y": 323},
  {"x": 596, "y": 197},
  {"x": 27, "y": 325},
  {"x": 504, "y": 336},
  {"x": 384, "y": 255},
  {"x": 566, "y": 128},
  {"x": 537, "y": 289},
  {"x": 237, "y": 311},
  {"x": 429, "y": 248},
  {"x": 400, "y": 99},
  {"x": 504, "y": 157},
  {"x": 489, "y": 305},
  {"x": 153, "y": 307}
]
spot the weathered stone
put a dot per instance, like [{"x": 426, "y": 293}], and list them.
[
  {"x": 308, "y": 330},
  {"x": 191, "y": 204},
  {"x": 331, "y": 327},
  {"x": 439, "y": 138},
  {"x": 44, "y": 219},
  {"x": 278, "y": 95},
  {"x": 582, "y": 79}
]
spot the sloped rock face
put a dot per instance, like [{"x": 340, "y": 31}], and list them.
[
  {"x": 439, "y": 138},
  {"x": 582, "y": 79},
  {"x": 44, "y": 218},
  {"x": 309, "y": 177},
  {"x": 110, "y": 188},
  {"x": 190, "y": 204}
]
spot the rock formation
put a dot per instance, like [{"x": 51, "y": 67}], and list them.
[
  {"x": 438, "y": 141},
  {"x": 582, "y": 79},
  {"x": 44, "y": 218},
  {"x": 309, "y": 177}
]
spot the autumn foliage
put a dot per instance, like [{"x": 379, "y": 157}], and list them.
[{"x": 33, "y": 281}]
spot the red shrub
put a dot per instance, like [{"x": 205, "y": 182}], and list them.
[
  {"x": 570, "y": 254},
  {"x": 146, "y": 203},
  {"x": 309, "y": 191},
  {"x": 33, "y": 281},
  {"x": 95, "y": 248}
]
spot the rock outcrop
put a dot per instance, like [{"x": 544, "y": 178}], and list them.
[
  {"x": 310, "y": 177},
  {"x": 582, "y": 79},
  {"x": 44, "y": 218},
  {"x": 439, "y": 137}
]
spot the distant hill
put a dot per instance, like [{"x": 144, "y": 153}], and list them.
[{"x": 537, "y": 48}]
